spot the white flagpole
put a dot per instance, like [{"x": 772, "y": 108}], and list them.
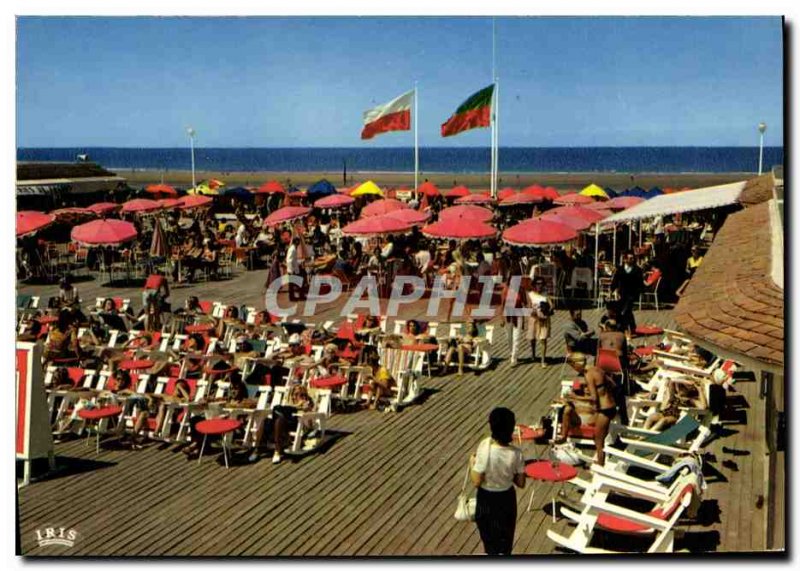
[
  {"x": 496, "y": 137},
  {"x": 416, "y": 143}
]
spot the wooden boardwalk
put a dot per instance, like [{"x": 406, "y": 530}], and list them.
[{"x": 386, "y": 486}]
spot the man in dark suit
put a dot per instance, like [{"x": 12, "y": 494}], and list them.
[{"x": 628, "y": 282}]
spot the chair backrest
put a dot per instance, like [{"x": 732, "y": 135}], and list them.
[
  {"x": 675, "y": 433},
  {"x": 399, "y": 326},
  {"x": 489, "y": 334},
  {"x": 322, "y": 402},
  {"x": 141, "y": 381},
  {"x": 279, "y": 396},
  {"x": 456, "y": 329},
  {"x": 264, "y": 393},
  {"x": 218, "y": 309}
]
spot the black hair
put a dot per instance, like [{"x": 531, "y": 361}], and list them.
[
  {"x": 64, "y": 320},
  {"x": 502, "y": 423}
]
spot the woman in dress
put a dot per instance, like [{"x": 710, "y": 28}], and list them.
[
  {"x": 539, "y": 320},
  {"x": 497, "y": 467}
]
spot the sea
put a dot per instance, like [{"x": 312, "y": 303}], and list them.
[{"x": 432, "y": 160}]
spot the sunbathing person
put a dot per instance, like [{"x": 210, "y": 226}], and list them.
[
  {"x": 380, "y": 381},
  {"x": 680, "y": 394},
  {"x": 462, "y": 346},
  {"x": 297, "y": 400}
]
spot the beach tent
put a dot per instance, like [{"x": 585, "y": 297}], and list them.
[
  {"x": 239, "y": 192},
  {"x": 366, "y": 188},
  {"x": 320, "y": 189},
  {"x": 594, "y": 191},
  {"x": 653, "y": 192}
]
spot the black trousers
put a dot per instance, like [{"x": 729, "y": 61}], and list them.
[
  {"x": 496, "y": 516},
  {"x": 626, "y": 317}
]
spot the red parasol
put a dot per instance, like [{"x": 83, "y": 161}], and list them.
[
  {"x": 271, "y": 187},
  {"x": 158, "y": 246},
  {"x": 550, "y": 193},
  {"x": 335, "y": 201},
  {"x": 505, "y": 193},
  {"x": 623, "y": 202},
  {"x": 410, "y": 216},
  {"x": 106, "y": 232},
  {"x": 195, "y": 201},
  {"x": 141, "y": 205},
  {"x": 101, "y": 208},
  {"x": 457, "y": 192},
  {"x": 376, "y": 225},
  {"x": 481, "y": 198},
  {"x": 286, "y": 214},
  {"x": 30, "y": 221},
  {"x": 467, "y": 213},
  {"x": 539, "y": 231},
  {"x": 574, "y": 198},
  {"x": 536, "y": 190},
  {"x": 457, "y": 228},
  {"x": 384, "y": 206},
  {"x": 428, "y": 189},
  {"x": 579, "y": 211},
  {"x": 601, "y": 206},
  {"x": 161, "y": 189},
  {"x": 520, "y": 198}
]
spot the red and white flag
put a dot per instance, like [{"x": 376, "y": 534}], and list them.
[{"x": 392, "y": 116}]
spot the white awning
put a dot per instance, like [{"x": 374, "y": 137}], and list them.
[{"x": 686, "y": 201}]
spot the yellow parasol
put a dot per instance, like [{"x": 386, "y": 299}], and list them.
[
  {"x": 594, "y": 191},
  {"x": 368, "y": 187},
  {"x": 203, "y": 188}
]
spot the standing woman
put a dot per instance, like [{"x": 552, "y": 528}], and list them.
[
  {"x": 497, "y": 467},
  {"x": 539, "y": 320}
]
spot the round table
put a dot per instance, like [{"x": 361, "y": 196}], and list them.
[
  {"x": 95, "y": 415},
  {"x": 547, "y": 471},
  {"x": 217, "y": 427},
  {"x": 135, "y": 364},
  {"x": 426, "y": 348}
]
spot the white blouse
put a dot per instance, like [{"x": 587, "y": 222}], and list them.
[{"x": 498, "y": 464}]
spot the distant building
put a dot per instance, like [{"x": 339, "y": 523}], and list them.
[{"x": 44, "y": 185}]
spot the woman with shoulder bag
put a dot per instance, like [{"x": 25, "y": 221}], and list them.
[{"x": 497, "y": 467}]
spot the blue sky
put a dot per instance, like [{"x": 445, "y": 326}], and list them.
[{"x": 296, "y": 82}]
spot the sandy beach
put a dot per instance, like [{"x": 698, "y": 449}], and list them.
[{"x": 562, "y": 181}]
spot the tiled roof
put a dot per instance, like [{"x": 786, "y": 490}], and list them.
[
  {"x": 732, "y": 301},
  {"x": 757, "y": 190}
]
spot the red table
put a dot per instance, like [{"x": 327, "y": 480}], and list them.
[
  {"x": 199, "y": 328},
  {"x": 330, "y": 382},
  {"x": 135, "y": 364},
  {"x": 95, "y": 415},
  {"x": 524, "y": 432},
  {"x": 217, "y": 427},
  {"x": 547, "y": 471},
  {"x": 45, "y": 319}
]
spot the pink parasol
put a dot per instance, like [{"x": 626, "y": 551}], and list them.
[
  {"x": 286, "y": 214},
  {"x": 539, "y": 231},
  {"x": 550, "y": 193},
  {"x": 520, "y": 198},
  {"x": 375, "y": 226},
  {"x": 195, "y": 201},
  {"x": 623, "y": 202},
  {"x": 587, "y": 214},
  {"x": 410, "y": 216},
  {"x": 384, "y": 206},
  {"x": 574, "y": 198},
  {"x": 141, "y": 205},
  {"x": 467, "y": 213},
  {"x": 600, "y": 205},
  {"x": 335, "y": 201},
  {"x": 482, "y": 198},
  {"x": 73, "y": 213},
  {"x": 535, "y": 190},
  {"x": 101, "y": 208},
  {"x": 575, "y": 222},
  {"x": 107, "y": 232},
  {"x": 30, "y": 221},
  {"x": 457, "y": 228},
  {"x": 170, "y": 202}
]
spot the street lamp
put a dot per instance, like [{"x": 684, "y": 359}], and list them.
[
  {"x": 191, "y": 132},
  {"x": 761, "y": 128}
]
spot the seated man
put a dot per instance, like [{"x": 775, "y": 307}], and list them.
[{"x": 577, "y": 335}]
